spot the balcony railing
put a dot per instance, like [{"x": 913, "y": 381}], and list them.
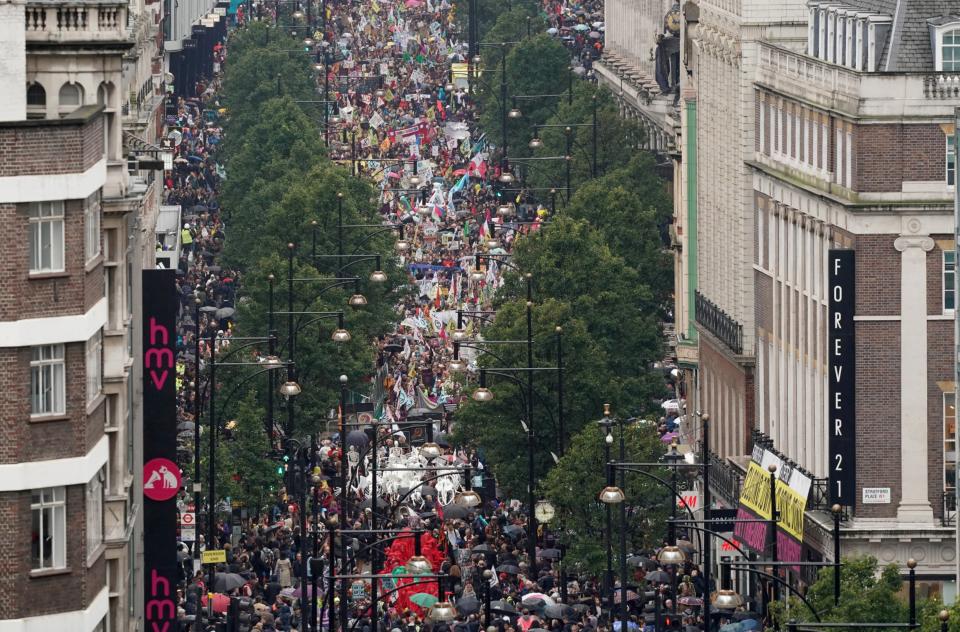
[
  {"x": 60, "y": 21},
  {"x": 942, "y": 86},
  {"x": 719, "y": 323},
  {"x": 725, "y": 479},
  {"x": 949, "y": 516}
]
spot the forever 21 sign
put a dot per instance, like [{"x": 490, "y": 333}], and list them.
[{"x": 842, "y": 397}]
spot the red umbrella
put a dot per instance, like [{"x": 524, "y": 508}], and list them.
[
  {"x": 221, "y": 602},
  {"x": 460, "y": 172}
]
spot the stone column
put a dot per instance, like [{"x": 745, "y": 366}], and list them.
[{"x": 914, "y": 500}]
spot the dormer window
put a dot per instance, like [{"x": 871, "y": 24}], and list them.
[
  {"x": 945, "y": 42},
  {"x": 950, "y": 51},
  {"x": 846, "y": 36}
]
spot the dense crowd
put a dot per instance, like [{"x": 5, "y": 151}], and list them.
[{"x": 402, "y": 124}]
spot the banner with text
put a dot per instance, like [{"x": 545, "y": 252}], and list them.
[
  {"x": 843, "y": 381},
  {"x": 161, "y": 476},
  {"x": 792, "y": 490}
]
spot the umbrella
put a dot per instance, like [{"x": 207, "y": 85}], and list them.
[
  {"x": 393, "y": 348},
  {"x": 503, "y": 607},
  {"x": 208, "y": 308},
  {"x": 468, "y": 605},
  {"x": 535, "y": 605},
  {"x": 618, "y": 596},
  {"x": 424, "y": 600},
  {"x": 690, "y": 601},
  {"x": 225, "y": 582},
  {"x": 454, "y": 511},
  {"x": 535, "y": 595},
  {"x": 558, "y": 611},
  {"x": 225, "y": 312},
  {"x": 549, "y": 554},
  {"x": 513, "y": 531},
  {"x": 287, "y": 592},
  {"x": 686, "y": 546},
  {"x": 745, "y": 615},
  {"x": 594, "y": 34},
  {"x": 749, "y": 624},
  {"x": 581, "y": 27},
  {"x": 658, "y": 577},
  {"x": 220, "y": 602},
  {"x": 429, "y": 490},
  {"x": 482, "y": 548},
  {"x": 509, "y": 569},
  {"x": 460, "y": 172},
  {"x": 580, "y": 608},
  {"x": 639, "y": 561},
  {"x": 597, "y": 25},
  {"x": 184, "y": 426},
  {"x": 357, "y": 438},
  {"x": 551, "y": 31},
  {"x": 194, "y": 158},
  {"x": 731, "y": 627},
  {"x": 669, "y": 437}
]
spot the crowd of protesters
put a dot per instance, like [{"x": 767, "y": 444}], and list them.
[{"x": 400, "y": 122}]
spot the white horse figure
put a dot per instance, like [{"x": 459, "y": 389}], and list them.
[{"x": 447, "y": 486}]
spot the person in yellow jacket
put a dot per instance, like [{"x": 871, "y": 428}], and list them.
[{"x": 186, "y": 238}]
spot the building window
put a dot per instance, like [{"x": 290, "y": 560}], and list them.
[
  {"x": 91, "y": 226},
  {"x": 48, "y": 539},
  {"x": 46, "y": 237},
  {"x": 95, "y": 512},
  {"x": 951, "y": 160},
  {"x": 950, "y": 51},
  {"x": 94, "y": 366},
  {"x": 949, "y": 442},
  {"x": 48, "y": 387},
  {"x": 949, "y": 268},
  {"x": 70, "y": 98},
  {"x": 36, "y": 101}
]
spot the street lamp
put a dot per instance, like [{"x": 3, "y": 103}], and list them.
[
  {"x": 726, "y": 599},
  {"x": 505, "y": 209}
]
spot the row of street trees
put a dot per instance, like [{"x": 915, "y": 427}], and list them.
[
  {"x": 600, "y": 271},
  {"x": 279, "y": 182}
]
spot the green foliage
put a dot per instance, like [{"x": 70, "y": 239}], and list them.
[
  {"x": 617, "y": 139},
  {"x": 538, "y": 65},
  {"x": 245, "y": 472},
  {"x": 868, "y": 594},
  {"x": 282, "y": 189},
  {"x": 574, "y": 484},
  {"x": 571, "y": 261},
  {"x": 628, "y": 206},
  {"x": 494, "y": 426}
]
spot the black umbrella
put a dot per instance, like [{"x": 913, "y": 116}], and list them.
[
  {"x": 503, "y": 607},
  {"x": 686, "y": 546},
  {"x": 482, "y": 548},
  {"x": 225, "y": 582},
  {"x": 549, "y": 554},
  {"x": 640, "y": 561},
  {"x": 580, "y": 608},
  {"x": 513, "y": 531},
  {"x": 454, "y": 511},
  {"x": 208, "y": 308},
  {"x": 558, "y": 611},
  {"x": 509, "y": 569},
  {"x": 429, "y": 490},
  {"x": 468, "y": 605},
  {"x": 658, "y": 577},
  {"x": 393, "y": 348},
  {"x": 357, "y": 438}
]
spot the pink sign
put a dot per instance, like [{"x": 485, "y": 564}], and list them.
[{"x": 161, "y": 479}]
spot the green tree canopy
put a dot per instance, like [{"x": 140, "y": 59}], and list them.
[{"x": 573, "y": 485}]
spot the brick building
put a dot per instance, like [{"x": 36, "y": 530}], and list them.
[
  {"x": 803, "y": 127},
  {"x": 853, "y": 148},
  {"x": 81, "y": 90}
]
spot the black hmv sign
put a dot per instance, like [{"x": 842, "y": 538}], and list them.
[
  {"x": 161, "y": 476},
  {"x": 842, "y": 405}
]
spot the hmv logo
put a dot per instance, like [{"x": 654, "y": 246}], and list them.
[
  {"x": 158, "y": 358},
  {"x": 160, "y": 607}
]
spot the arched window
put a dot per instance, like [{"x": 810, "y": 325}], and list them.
[
  {"x": 103, "y": 97},
  {"x": 951, "y": 51},
  {"x": 71, "y": 97},
  {"x": 36, "y": 101}
]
